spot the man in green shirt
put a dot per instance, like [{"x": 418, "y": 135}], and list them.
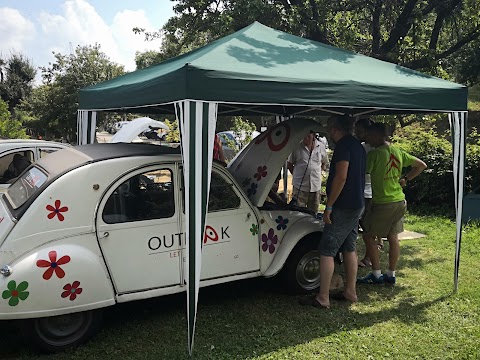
[{"x": 385, "y": 165}]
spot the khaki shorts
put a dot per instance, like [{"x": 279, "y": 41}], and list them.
[
  {"x": 307, "y": 199},
  {"x": 385, "y": 219}
]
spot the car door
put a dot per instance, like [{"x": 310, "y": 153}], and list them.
[
  {"x": 231, "y": 242},
  {"x": 137, "y": 229}
]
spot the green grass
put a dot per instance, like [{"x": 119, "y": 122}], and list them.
[
  {"x": 418, "y": 319},
  {"x": 474, "y": 98}
]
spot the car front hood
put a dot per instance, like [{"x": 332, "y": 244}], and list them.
[
  {"x": 130, "y": 131},
  {"x": 257, "y": 166}
]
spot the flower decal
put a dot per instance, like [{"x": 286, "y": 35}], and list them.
[
  {"x": 53, "y": 265},
  {"x": 72, "y": 290},
  {"x": 269, "y": 241},
  {"x": 254, "y": 229},
  {"x": 246, "y": 182},
  {"x": 56, "y": 210},
  {"x": 282, "y": 222},
  {"x": 15, "y": 293},
  {"x": 252, "y": 190},
  {"x": 261, "y": 172}
]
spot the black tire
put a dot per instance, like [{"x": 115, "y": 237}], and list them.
[
  {"x": 302, "y": 270},
  {"x": 57, "y": 333}
]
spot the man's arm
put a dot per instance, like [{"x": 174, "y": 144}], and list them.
[
  {"x": 341, "y": 171},
  {"x": 417, "y": 167}
]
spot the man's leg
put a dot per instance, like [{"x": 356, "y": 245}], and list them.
[
  {"x": 393, "y": 251},
  {"x": 372, "y": 251},
  {"x": 326, "y": 272},
  {"x": 350, "y": 261}
]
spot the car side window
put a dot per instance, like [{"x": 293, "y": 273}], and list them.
[
  {"x": 146, "y": 196},
  {"x": 10, "y": 169},
  {"x": 44, "y": 152},
  {"x": 222, "y": 195}
]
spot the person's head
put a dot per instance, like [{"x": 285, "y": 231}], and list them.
[
  {"x": 361, "y": 127},
  {"x": 339, "y": 126},
  {"x": 377, "y": 134},
  {"x": 307, "y": 140}
]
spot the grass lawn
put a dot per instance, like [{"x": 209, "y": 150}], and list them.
[
  {"x": 420, "y": 318},
  {"x": 474, "y": 98}
]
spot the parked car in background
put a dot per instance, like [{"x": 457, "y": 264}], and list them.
[
  {"x": 226, "y": 137},
  {"x": 25, "y": 152},
  {"x": 119, "y": 236}
]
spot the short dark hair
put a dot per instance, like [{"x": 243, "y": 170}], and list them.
[
  {"x": 378, "y": 129},
  {"x": 341, "y": 122},
  {"x": 364, "y": 123}
]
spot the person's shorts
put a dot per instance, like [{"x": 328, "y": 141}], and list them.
[
  {"x": 341, "y": 234},
  {"x": 385, "y": 219},
  {"x": 307, "y": 199}
]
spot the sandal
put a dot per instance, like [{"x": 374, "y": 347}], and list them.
[
  {"x": 364, "y": 262},
  {"x": 312, "y": 301}
]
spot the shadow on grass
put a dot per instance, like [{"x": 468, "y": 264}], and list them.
[{"x": 235, "y": 321}]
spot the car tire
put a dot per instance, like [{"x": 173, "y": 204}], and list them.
[
  {"x": 302, "y": 270},
  {"x": 57, "y": 333}
]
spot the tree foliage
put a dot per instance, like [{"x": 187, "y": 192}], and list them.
[
  {"x": 17, "y": 74},
  {"x": 10, "y": 128},
  {"x": 55, "y": 103},
  {"x": 419, "y": 34}
]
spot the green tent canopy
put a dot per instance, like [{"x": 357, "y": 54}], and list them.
[
  {"x": 262, "y": 71},
  {"x": 279, "y": 74}
]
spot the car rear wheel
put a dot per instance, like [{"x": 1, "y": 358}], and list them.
[
  {"x": 56, "y": 333},
  {"x": 303, "y": 269}
]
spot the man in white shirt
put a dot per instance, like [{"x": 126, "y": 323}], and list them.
[{"x": 306, "y": 163}]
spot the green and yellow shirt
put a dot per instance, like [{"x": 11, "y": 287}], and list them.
[{"x": 385, "y": 165}]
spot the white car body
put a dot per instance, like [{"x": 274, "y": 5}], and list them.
[
  {"x": 31, "y": 149},
  {"x": 109, "y": 220}
]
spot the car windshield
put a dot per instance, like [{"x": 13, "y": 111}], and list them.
[{"x": 25, "y": 186}]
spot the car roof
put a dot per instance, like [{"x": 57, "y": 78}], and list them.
[{"x": 30, "y": 142}]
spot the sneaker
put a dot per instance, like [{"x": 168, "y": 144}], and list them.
[
  {"x": 371, "y": 279},
  {"x": 389, "y": 280}
]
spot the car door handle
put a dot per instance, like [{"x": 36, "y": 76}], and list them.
[{"x": 105, "y": 234}]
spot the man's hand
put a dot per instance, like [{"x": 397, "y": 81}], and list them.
[
  {"x": 403, "y": 182},
  {"x": 326, "y": 216}
]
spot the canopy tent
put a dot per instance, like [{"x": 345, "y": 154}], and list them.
[{"x": 262, "y": 71}]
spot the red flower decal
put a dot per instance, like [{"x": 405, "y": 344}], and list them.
[
  {"x": 57, "y": 210},
  {"x": 72, "y": 290},
  {"x": 53, "y": 265},
  {"x": 261, "y": 172}
]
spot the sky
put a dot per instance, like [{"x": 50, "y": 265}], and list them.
[{"x": 36, "y": 28}]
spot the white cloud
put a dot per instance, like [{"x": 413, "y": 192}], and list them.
[
  {"x": 129, "y": 42},
  {"x": 80, "y": 24},
  {"x": 17, "y": 31}
]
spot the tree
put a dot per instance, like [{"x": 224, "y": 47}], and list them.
[
  {"x": 16, "y": 79},
  {"x": 54, "y": 104},
  {"x": 10, "y": 128},
  {"x": 420, "y": 34}
]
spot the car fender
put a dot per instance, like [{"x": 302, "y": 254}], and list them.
[
  {"x": 77, "y": 282},
  {"x": 308, "y": 227}
]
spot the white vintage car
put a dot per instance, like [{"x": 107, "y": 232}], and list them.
[{"x": 91, "y": 226}]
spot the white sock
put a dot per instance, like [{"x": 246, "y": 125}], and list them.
[
  {"x": 377, "y": 273},
  {"x": 391, "y": 273}
]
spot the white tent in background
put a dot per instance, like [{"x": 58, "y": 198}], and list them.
[{"x": 130, "y": 131}]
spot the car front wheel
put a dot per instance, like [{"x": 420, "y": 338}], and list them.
[
  {"x": 303, "y": 269},
  {"x": 56, "y": 333}
]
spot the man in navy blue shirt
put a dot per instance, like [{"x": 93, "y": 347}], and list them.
[{"x": 345, "y": 203}]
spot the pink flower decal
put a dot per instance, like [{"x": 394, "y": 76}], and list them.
[
  {"x": 261, "y": 172},
  {"x": 269, "y": 241},
  {"x": 53, "y": 265},
  {"x": 57, "y": 210},
  {"x": 72, "y": 290}
]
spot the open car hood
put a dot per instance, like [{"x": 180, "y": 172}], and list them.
[
  {"x": 257, "y": 166},
  {"x": 130, "y": 131}
]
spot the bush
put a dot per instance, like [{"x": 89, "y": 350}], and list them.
[{"x": 435, "y": 185}]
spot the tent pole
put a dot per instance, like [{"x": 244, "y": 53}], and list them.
[{"x": 459, "y": 127}]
